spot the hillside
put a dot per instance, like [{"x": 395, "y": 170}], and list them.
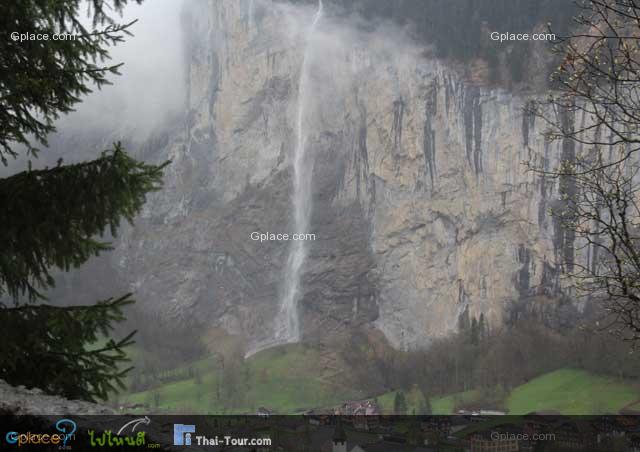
[
  {"x": 572, "y": 391},
  {"x": 287, "y": 379},
  {"x": 294, "y": 378}
]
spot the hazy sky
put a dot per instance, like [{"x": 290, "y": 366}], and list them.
[{"x": 152, "y": 82}]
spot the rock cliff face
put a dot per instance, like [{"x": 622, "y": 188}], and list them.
[{"x": 421, "y": 207}]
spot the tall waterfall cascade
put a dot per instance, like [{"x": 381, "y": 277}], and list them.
[{"x": 288, "y": 320}]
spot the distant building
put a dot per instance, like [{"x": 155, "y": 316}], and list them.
[
  {"x": 360, "y": 407},
  {"x": 263, "y": 411},
  {"x": 484, "y": 442},
  {"x": 440, "y": 425},
  {"x": 318, "y": 419},
  {"x": 492, "y": 413},
  {"x": 339, "y": 439},
  {"x": 362, "y": 414}
]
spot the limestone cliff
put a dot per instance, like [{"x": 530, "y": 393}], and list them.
[{"x": 421, "y": 207}]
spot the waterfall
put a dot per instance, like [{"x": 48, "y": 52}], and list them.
[
  {"x": 288, "y": 320},
  {"x": 250, "y": 15}
]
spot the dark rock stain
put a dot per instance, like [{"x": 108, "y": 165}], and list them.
[
  {"x": 429, "y": 137},
  {"x": 396, "y": 129},
  {"x": 472, "y": 116}
]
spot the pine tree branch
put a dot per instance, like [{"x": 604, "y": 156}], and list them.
[
  {"x": 51, "y": 217},
  {"x": 38, "y": 340}
]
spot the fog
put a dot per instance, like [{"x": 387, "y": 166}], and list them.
[
  {"x": 151, "y": 86},
  {"x": 342, "y": 51}
]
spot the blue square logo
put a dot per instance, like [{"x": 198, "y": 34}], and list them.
[{"x": 182, "y": 434}]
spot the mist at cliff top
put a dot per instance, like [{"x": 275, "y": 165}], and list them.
[{"x": 152, "y": 81}]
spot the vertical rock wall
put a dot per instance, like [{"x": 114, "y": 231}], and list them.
[{"x": 422, "y": 208}]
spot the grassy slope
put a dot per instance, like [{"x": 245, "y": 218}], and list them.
[
  {"x": 572, "y": 391},
  {"x": 569, "y": 391},
  {"x": 446, "y": 404},
  {"x": 439, "y": 405},
  {"x": 286, "y": 379}
]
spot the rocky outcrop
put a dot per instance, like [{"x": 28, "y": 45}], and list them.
[
  {"x": 422, "y": 209},
  {"x": 21, "y": 401}
]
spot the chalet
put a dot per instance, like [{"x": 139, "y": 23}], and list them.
[
  {"x": 575, "y": 435},
  {"x": 264, "y": 412},
  {"x": 360, "y": 407},
  {"x": 363, "y": 414},
  {"x": 318, "y": 419},
  {"x": 438, "y": 424},
  {"x": 363, "y": 422},
  {"x": 340, "y": 443},
  {"x": 486, "y": 441}
]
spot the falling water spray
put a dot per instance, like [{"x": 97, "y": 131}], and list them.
[{"x": 288, "y": 319}]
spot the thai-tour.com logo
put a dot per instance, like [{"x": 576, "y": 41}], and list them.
[
  {"x": 66, "y": 433},
  {"x": 182, "y": 434}
]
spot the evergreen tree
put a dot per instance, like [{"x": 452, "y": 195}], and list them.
[
  {"x": 157, "y": 398},
  {"x": 474, "y": 332},
  {"x": 54, "y": 217},
  {"x": 425, "y": 406},
  {"x": 463, "y": 321},
  {"x": 400, "y": 403},
  {"x": 482, "y": 326}
]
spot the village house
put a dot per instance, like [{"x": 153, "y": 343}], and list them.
[
  {"x": 264, "y": 412},
  {"x": 363, "y": 414}
]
